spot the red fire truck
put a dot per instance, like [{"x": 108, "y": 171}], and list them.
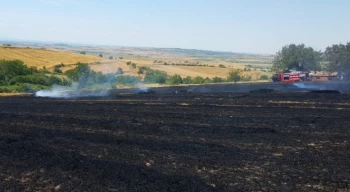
[
  {"x": 301, "y": 76},
  {"x": 291, "y": 77}
]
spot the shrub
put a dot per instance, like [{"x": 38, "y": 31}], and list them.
[
  {"x": 110, "y": 57},
  {"x": 174, "y": 80},
  {"x": 155, "y": 76},
  {"x": 222, "y": 66},
  {"x": 127, "y": 80},
  {"x": 198, "y": 80},
  {"x": 83, "y": 75},
  {"x": 234, "y": 75},
  {"x": 246, "y": 78},
  {"x": 119, "y": 71},
  {"x": 218, "y": 80},
  {"x": 10, "y": 69},
  {"x": 38, "y": 79},
  {"x": 264, "y": 77},
  {"x": 187, "y": 80},
  {"x": 57, "y": 70},
  {"x": 12, "y": 88}
]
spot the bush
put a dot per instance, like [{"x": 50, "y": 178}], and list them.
[
  {"x": 120, "y": 71},
  {"x": 39, "y": 79},
  {"x": 12, "y": 88},
  {"x": 127, "y": 80},
  {"x": 222, "y": 66},
  {"x": 110, "y": 57},
  {"x": 155, "y": 76},
  {"x": 187, "y": 80},
  {"x": 142, "y": 70},
  {"x": 84, "y": 76},
  {"x": 218, "y": 80},
  {"x": 234, "y": 75},
  {"x": 133, "y": 65},
  {"x": 121, "y": 58},
  {"x": 10, "y": 69},
  {"x": 82, "y": 52},
  {"x": 246, "y": 78},
  {"x": 198, "y": 80},
  {"x": 264, "y": 77},
  {"x": 174, "y": 80},
  {"x": 57, "y": 70},
  {"x": 128, "y": 63}
]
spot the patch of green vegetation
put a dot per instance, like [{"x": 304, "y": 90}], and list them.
[{"x": 15, "y": 76}]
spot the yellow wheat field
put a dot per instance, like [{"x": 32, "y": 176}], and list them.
[{"x": 40, "y": 57}]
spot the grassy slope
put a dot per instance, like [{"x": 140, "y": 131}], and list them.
[
  {"x": 194, "y": 71},
  {"x": 41, "y": 57},
  {"x": 49, "y": 58}
]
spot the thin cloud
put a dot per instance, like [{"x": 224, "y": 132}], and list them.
[
  {"x": 23, "y": 25},
  {"x": 57, "y": 2}
]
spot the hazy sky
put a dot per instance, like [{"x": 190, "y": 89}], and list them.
[{"x": 253, "y": 26}]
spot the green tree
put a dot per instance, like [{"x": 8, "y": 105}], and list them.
[
  {"x": 246, "y": 78},
  {"x": 119, "y": 71},
  {"x": 198, "y": 80},
  {"x": 110, "y": 57},
  {"x": 79, "y": 74},
  {"x": 234, "y": 75},
  {"x": 264, "y": 77},
  {"x": 338, "y": 59},
  {"x": 133, "y": 65},
  {"x": 218, "y": 80},
  {"x": 155, "y": 76},
  {"x": 57, "y": 70},
  {"x": 127, "y": 80},
  {"x": 297, "y": 57},
  {"x": 175, "y": 79},
  {"x": 82, "y": 52},
  {"x": 10, "y": 69},
  {"x": 100, "y": 55},
  {"x": 187, "y": 80}
]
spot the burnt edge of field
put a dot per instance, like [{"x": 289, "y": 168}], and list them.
[{"x": 176, "y": 142}]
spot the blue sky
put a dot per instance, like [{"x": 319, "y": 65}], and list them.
[{"x": 252, "y": 26}]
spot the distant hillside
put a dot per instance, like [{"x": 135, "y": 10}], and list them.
[
  {"x": 42, "y": 57},
  {"x": 198, "y": 52}
]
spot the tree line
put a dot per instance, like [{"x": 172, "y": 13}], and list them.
[
  {"x": 335, "y": 58},
  {"x": 15, "y": 76}
]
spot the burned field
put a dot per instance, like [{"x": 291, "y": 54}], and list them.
[{"x": 176, "y": 142}]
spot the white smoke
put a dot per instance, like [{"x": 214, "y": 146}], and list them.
[
  {"x": 71, "y": 92},
  {"x": 319, "y": 86},
  {"x": 55, "y": 92},
  {"x": 142, "y": 87}
]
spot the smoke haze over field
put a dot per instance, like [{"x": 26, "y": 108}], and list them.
[{"x": 67, "y": 92}]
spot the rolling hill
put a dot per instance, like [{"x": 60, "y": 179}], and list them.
[
  {"x": 49, "y": 58},
  {"x": 43, "y": 57}
]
